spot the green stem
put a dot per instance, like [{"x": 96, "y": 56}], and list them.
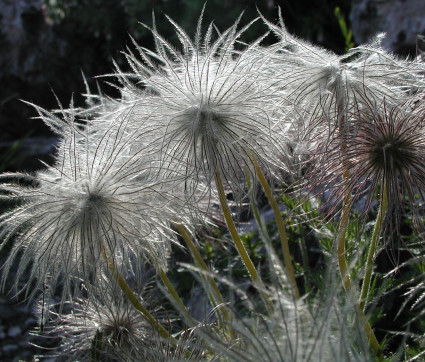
[
  {"x": 340, "y": 241},
  {"x": 304, "y": 254},
  {"x": 217, "y": 298},
  {"x": 281, "y": 227},
  {"x": 238, "y": 242},
  {"x": 371, "y": 254},
  {"x": 266, "y": 237},
  {"x": 257, "y": 215},
  {"x": 369, "y": 332},
  {"x": 133, "y": 299},
  {"x": 346, "y": 278},
  {"x": 232, "y": 229},
  {"x": 188, "y": 318}
]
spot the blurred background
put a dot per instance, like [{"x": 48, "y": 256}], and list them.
[{"x": 46, "y": 45}]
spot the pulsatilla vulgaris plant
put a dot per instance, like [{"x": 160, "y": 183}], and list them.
[
  {"x": 383, "y": 151},
  {"x": 206, "y": 100},
  {"x": 96, "y": 202},
  {"x": 328, "y": 85},
  {"x": 106, "y": 327},
  {"x": 379, "y": 153},
  {"x": 205, "y": 105},
  {"x": 138, "y": 176}
]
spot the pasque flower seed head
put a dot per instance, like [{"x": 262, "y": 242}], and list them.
[
  {"x": 382, "y": 149},
  {"x": 104, "y": 327},
  {"x": 97, "y": 200},
  {"x": 329, "y": 85},
  {"x": 214, "y": 110}
]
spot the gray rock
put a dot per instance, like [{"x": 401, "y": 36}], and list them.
[
  {"x": 401, "y": 20},
  {"x": 267, "y": 216},
  {"x": 24, "y": 35}
]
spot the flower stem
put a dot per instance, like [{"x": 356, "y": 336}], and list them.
[
  {"x": 281, "y": 227},
  {"x": 369, "y": 332},
  {"x": 217, "y": 298},
  {"x": 369, "y": 267},
  {"x": 188, "y": 317},
  {"x": 361, "y": 317},
  {"x": 232, "y": 228},
  {"x": 269, "y": 247},
  {"x": 340, "y": 241},
  {"x": 238, "y": 242},
  {"x": 133, "y": 299}
]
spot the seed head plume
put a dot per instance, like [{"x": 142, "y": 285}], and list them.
[
  {"x": 214, "y": 110},
  {"x": 383, "y": 149},
  {"x": 329, "y": 85},
  {"x": 97, "y": 196},
  {"x": 104, "y": 327}
]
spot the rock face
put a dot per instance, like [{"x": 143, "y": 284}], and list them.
[
  {"x": 24, "y": 36},
  {"x": 28, "y": 49},
  {"x": 401, "y": 20}
]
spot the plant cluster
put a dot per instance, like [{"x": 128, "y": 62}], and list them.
[{"x": 199, "y": 135}]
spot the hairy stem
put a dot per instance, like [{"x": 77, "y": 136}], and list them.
[
  {"x": 361, "y": 317},
  {"x": 371, "y": 254},
  {"x": 238, "y": 242},
  {"x": 267, "y": 241},
  {"x": 369, "y": 332},
  {"x": 217, "y": 298},
  {"x": 133, "y": 299},
  {"x": 233, "y": 232},
  {"x": 188, "y": 317},
  {"x": 281, "y": 227},
  {"x": 340, "y": 242}
]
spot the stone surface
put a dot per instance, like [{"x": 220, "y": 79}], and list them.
[
  {"x": 24, "y": 35},
  {"x": 401, "y": 20}
]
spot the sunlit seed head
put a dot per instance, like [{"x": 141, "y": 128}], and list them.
[
  {"x": 381, "y": 150},
  {"x": 105, "y": 326},
  {"x": 97, "y": 196},
  {"x": 389, "y": 141},
  {"x": 118, "y": 331},
  {"x": 94, "y": 200},
  {"x": 330, "y": 85},
  {"x": 206, "y": 120},
  {"x": 211, "y": 109}
]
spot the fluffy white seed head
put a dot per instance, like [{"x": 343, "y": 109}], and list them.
[
  {"x": 214, "y": 110},
  {"x": 98, "y": 200},
  {"x": 106, "y": 328},
  {"x": 330, "y": 85}
]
